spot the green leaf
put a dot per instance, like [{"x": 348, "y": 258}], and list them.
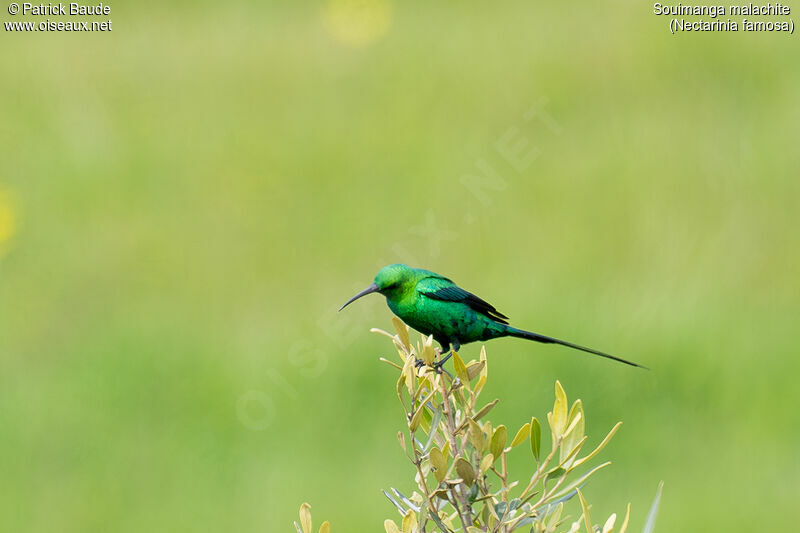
[
  {"x": 439, "y": 464},
  {"x": 465, "y": 471},
  {"x": 536, "y": 438},
  {"x": 522, "y": 435},
  {"x": 427, "y": 419},
  {"x": 498, "y": 441},
  {"x": 418, "y": 415},
  {"x": 416, "y": 419},
  {"x": 437, "y": 520},
  {"x": 474, "y": 369},
  {"x": 555, "y": 473},
  {"x": 485, "y": 410},
  {"x": 434, "y": 424}
]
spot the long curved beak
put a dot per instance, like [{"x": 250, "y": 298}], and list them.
[{"x": 372, "y": 288}]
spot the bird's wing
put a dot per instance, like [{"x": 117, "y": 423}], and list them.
[{"x": 446, "y": 290}]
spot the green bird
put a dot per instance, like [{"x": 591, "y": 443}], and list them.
[{"x": 434, "y": 305}]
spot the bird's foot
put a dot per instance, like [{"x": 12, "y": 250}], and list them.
[{"x": 438, "y": 366}]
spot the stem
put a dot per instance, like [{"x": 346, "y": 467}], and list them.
[
  {"x": 505, "y": 478},
  {"x": 538, "y": 474},
  {"x": 464, "y": 510}
]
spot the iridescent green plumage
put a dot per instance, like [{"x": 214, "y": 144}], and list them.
[{"x": 433, "y": 305}]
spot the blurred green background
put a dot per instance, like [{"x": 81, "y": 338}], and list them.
[{"x": 186, "y": 201}]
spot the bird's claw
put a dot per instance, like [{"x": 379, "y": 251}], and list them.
[
  {"x": 437, "y": 367},
  {"x": 440, "y": 363}
]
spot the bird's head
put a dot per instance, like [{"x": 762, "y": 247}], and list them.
[{"x": 390, "y": 281}]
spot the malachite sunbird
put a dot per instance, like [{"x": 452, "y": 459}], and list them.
[{"x": 434, "y": 305}]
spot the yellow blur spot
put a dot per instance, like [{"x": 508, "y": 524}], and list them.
[
  {"x": 7, "y": 219},
  {"x": 358, "y": 22}
]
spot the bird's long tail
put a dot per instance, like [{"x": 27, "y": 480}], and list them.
[{"x": 522, "y": 334}]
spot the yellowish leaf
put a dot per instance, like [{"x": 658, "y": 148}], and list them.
[
  {"x": 499, "y": 441},
  {"x": 439, "y": 464},
  {"x": 624, "y": 525},
  {"x": 574, "y": 432},
  {"x": 587, "y": 520},
  {"x": 305, "y": 517},
  {"x": 486, "y": 463},
  {"x": 569, "y": 458},
  {"x": 409, "y": 522},
  {"x": 479, "y": 385},
  {"x": 558, "y": 422},
  {"x": 522, "y": 435},
  {"x": 410, "y": 374},
  {"x": 427, "y": 350},
  {"x": 475, "y": 434},
  {"x": 608, "y": 527},
  {"x": 402, "y": 331},
  {"x": 383, "y": 359},
  {"x": 600, "y": 446},
  {"x": 400, "y": 384},
  {"x": 390, "y": 526},
  {"x": 460, "y": 368}
]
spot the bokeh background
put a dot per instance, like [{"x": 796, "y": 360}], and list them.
[{"x": 186, "y": 201}]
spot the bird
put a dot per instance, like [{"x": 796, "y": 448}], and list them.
[{"x": 434, "y": 305}]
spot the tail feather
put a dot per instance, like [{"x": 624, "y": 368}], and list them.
[{"x": 522, "y": 334}]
